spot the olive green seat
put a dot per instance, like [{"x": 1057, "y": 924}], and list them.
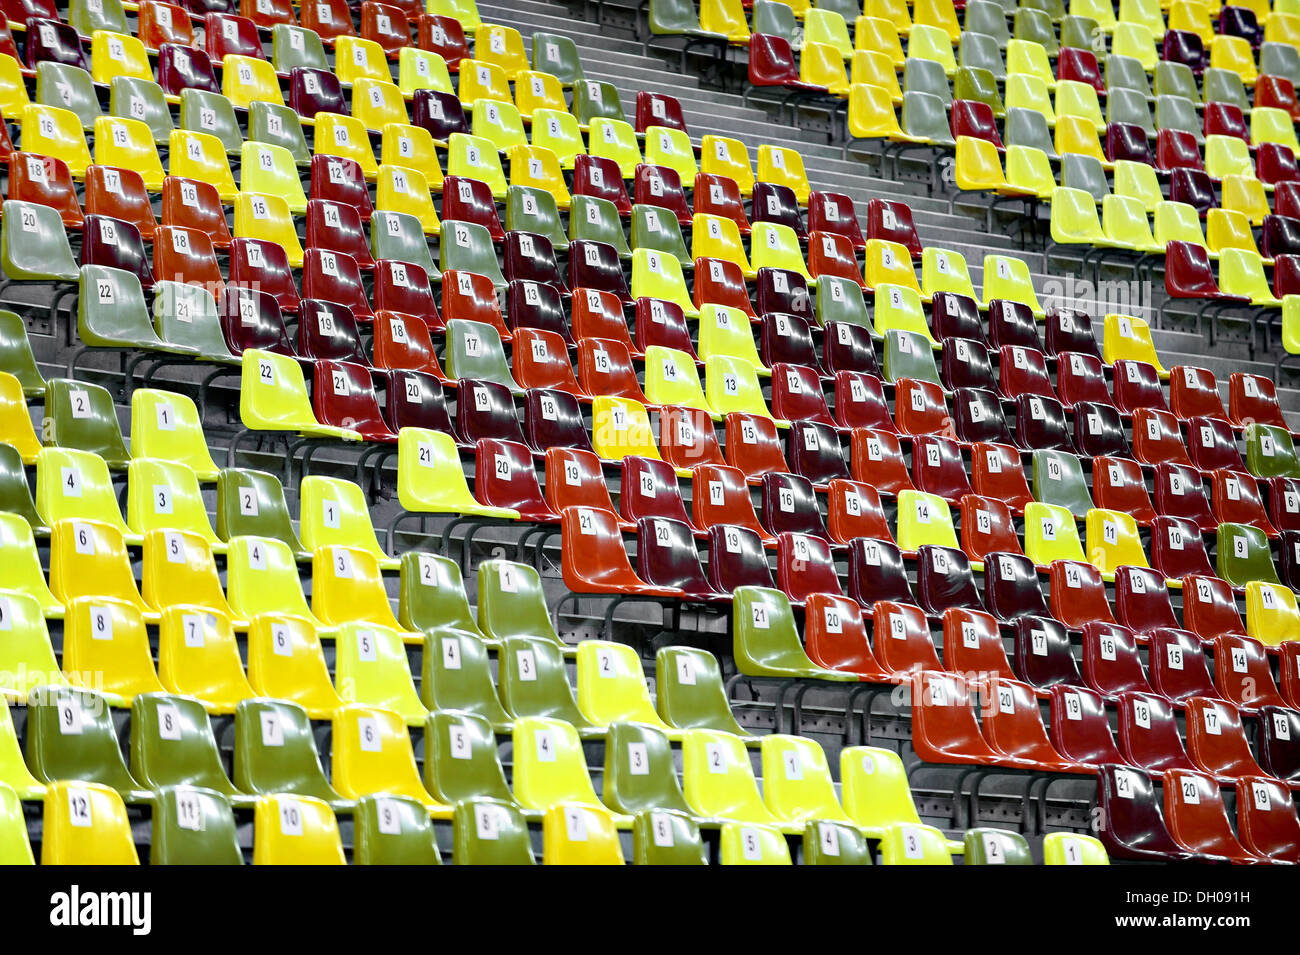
[
  {"x": 474, "y": 350},
  {"x": 293, "y": 46},
  {"x": 765, "y": 639},
  {"x": 15, "y": 493},
  {"x": 460, "y": 759},
  {"x": 81, "y": 415},
  {"x": 598, "y": 220},
  {"x": 987, "y": 846},
  {"x": 667, "y": 837},
  {"x": 432, "y": 596},
  {"x": 1270, "y": 452},
  {"x": 1242, "y": 554},
  {"x": 172, "y": 744},
  {"x": 467, "y": 247},
  {"x": 393, "y": 830},
  {"x": 275, "y": 752},
  {"x": 70, "y": 736},
  {"x": 193, "y": 826},
  {"x": 639, "y": 770},
  {"x": 490, "y": 832},
  {"x": 534, "y": 682},
  {"x": 457, "y": 675},
  {"x": 511, "y": 602},
  {"x": 592, "y": 100},
  {"x": 1058, "y": 479},
  {"x": 834, "y": 843},
  {"x": 14, "y": 847},
  {"x": 251, "y": 504},
  {"x": 205, "y": 112},
  {"x": 689, "y": 693},
  {"x": 132, "y": 97},
  {"x": 1127, "y": 72},
  {"x": 1035, "y": 26},
  {"x": 278, "y": 125},
  {"x": 557, "y": 55},
  {"x": 529, "y": 209},
  {"x": 658, "y": 229},
  {"x": 33, "y": 244},
  {"x": 841, "y": 300},
  {"x": 111, "y": 313},
  {"x": 16, "y": 356},
  {"x": 186, "y": 316},
  {"x": 399, "y": 236},
  {"x": 908, "y": 355},
  {"x": 68, "y": 87}
]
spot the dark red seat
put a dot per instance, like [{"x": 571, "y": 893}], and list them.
[
  {"x": 877, "y": 573},
  {"x": 343, "y": 396},
  {"x": 1184, "y": 46},
  {"x": 1177, "y": 666},
  {"x": 486, "y": 409},
  {"x": 1011, "y": 588},
  {"x": 797, "y": 395},
  {"x": 1180, "y": 494},
  {"x": 335, "y": 277},
  {"x": 847, "y": 347},
  {"x": 773, "y": 202},
  {"x": 944, "y": 579},
  {"x": 1111, "y": 664},
  {"x": 596, "y": 265},
  {"x": 51, "y": 41},
  {"x": 1081, "y": 66},
  {"x": 504, "y": 477},
  {"x": 183, "y": 68},
  {"x": 977, "y": 416},
  {"x": 834, "y": 212},
  {"x": 648, "y": 488},
  {"x": 1023, "y": 371},
  {"x": 1177, "y": 149},
  {"x": 328, "y": 331},
  {"x": 252, "y": 319},
  {"x": 1012, "y": 324},
  {"x": 444, "y": 36},
  {"x": 262, "y": 265},
  {"x": 1069, "y": 330},
  {"x": 1138, "y": 386},
  {"x": 600, "y": 177},
  {"x": 1127, "y": 142},
  {"x": 666, "y": 557},
  {"x": 956, "y": 316},
  {"x": 404, "y": 287},
  {"x": 1226, "y": 119},
  {"x": 1193, "y": 187},
  {"x": 736, "y": 559},
  {"x": 1279, "y": 236},
  {"x": 773, "y": 63},
  {"x": 1240, "y": 21},
  {"x": 1211, "y": 445},
  {"x": 538, "y": 306},
  {"x": 937, "y": 467},
  {"x": 1098, "y": 430},
  {"x": 966, "y": 364},
  {"x": 1148, "y": 733},
  {"x": 531, "y": 257},
  {"x": 336, "y": 227},
  {"x": 118, "y": 245},
  {"x": 1043, "y": 655},
  {"x": 313, "y": 91},
  {"x": 804, "y": 565},
  {"x": 416, "y": 400},
  {"x": 1284, "y": 503},
  {"x": 470, "y": 200},
  {"x": 1080, "y": 377},
  {"x": 226, "y": 33},
  {"x": 553, "y": 419},
  {"x": 1279, "y": 742},
  {"x": 721, "y": 282},
  {"x": 655, "y": 321},
  {"x": 1266, "y": 819},
  {"x": 661, "y": 186},
  {"x": 1079, "y": 727},
  {"x": 789, "y": 504},
  {"x": 860, "y": 403},
  {"x": 815, "y": 452},
  {"x": 1135, "y": 828},
  {"x": 784, "y": 292},
  {"x": 338, "y": 179},
  {"x": 440, "y": 113},
  {"x": 788, "y": 339},
  {"x": 1142, "y": 601},
  {"x": 659, "y": 109},
  {"x": 886, "y": 219},
  {"x": 1275, "y": 164},
  {"x": 974, "y": 118}
]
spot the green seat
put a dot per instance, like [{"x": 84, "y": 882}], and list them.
[
  {"x": 1223, "y": 86},
  {"x": 689, "y": 693},
  {"x": 213, "y": 114},
  {"x": 68, "y": 87},
  {"x": 533, "y": 682},
  {"x": 988, "y": 846},
  {"x": 1175, "y": 79},
  {"x": 925, "y": 118},
  {"x": 1028, "y": 128},
  {"x": 766, "y": 640},
  {"x": 14, "y": 847},
  {"x": 639, "y": 773},
  {"x": 278, "y": 125},
  {"x": 432, "y": 597},
  {"x": 975, "y": 83},
  {"x": 186, "y": 316},
  {"x": 658, "y": 229},
  {"x": 1270, "y": 452},
  {"x": 908, "y": 355},
  {"x": 668, "y": 837},
  {"x": 529, "y": 209},
  {"x": 252, "y": 504},
  {"x": 1058, "y": 479},
  {"x": 1035, "y": 26},
  {"x": 293, "y": 46},
  {"x": 467, "y": 246},
  {"x": 460, "y": 759},
  {"x": 193, "y": 826},
  {"x": 70, "y": 736},
  {"x": 111, "y": 313},
  {"x": 1279, "y": 59},
  {"x": 597, "y": 219},
  {"x": 593, "y": 100},
  {"x": 557, "y": 55},
  {"x": 834, "y": 843},
  {"x": 131, "y": 97},
  {"x": 1130, "y": 106},
  {"x": 275, "y": 751},
  {"x": 987, "y": 18},
  {"x": 16, "y": 356},
  {"x": 1242, "y": 554},
  {"x": 474, "y": 350},
  {"x": 15, "y": 494},
  {"x": 841, "y": 300},
  {"x": 982, "y": 51},
  {"x": 400, "y": 237},
  {"x": 511, "y": 602},
  {"x": 1178, "y": 112},
  {"x": 926, "y": 76},
  {"x": 82, "y": 416},
  {"x": 490, "y": 832},
  {"x": 33, "y": 244},
  {"x": 87, "y": 16},
  {"x": 393, "y": 830},
  {"x": 1079, "y": 32},
  {"x": 776, "y": 19},
  {"x": 457, "y": 675},
  {"x": 172, "y": 744},
  {"x": 1127, "y": 73},
  {"x": 1085, "y": 173}
]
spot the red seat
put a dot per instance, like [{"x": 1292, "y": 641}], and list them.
[
  {"x": 987, "y": 527},
  {"x": 974, "y": 118},
  {"x": 721, "y": 282},
  {"x": 486, "y": 409},
  {"x": 648, "y": 488},
  {"x": 835, "y": 638},
  {"x": 600, "y": 178},
  {"x": 330, "y": 19},
  {"x": 784, "y": 291},
  {"x": 194, "y": 204},
  {"x": 537, "y": 306},
  {"x": 860, "y": 402},
  {"x": 720, "y": 495},
  {"x": 1226, "y": 119},
  {"x": 574, "y": 479},
  {"x": 605, "y": 368},
  {"x": 1289, "y": 671},
  {"x": 789, "y": 504},
  {"x": 1148, "y": 733},
  {"x": 45, "y": 181},
  {"x": 251, "y": 319},
  {"x": 1141, "y": 600},
  {"x": 996, "y": 472},
  {"x": 775, "y": 203},
  {"x": 660, "y": 186},
  {"x": 596, "y": 265},
  {"x": 386, "y": 25},
  {"x": 1277, "y": 92},
  {"x": 1235, "y": 497},
  {"x": 1078, "y": 594},
  {"x": 1080, "y": 377},
  {"x": 658, "y": 109},
  {"x": 404, "y": 287},
  {"x": 225, "y": 34},
  {"x": 1188, "y": 273},
  {"x": 835, "y": 212},
  {"x": 804, "y": 566},
  {"x": 1216, "y": 739},
  {"x": 1080, "y": 729},
  {"x": 262, "y": 265},
  {"x": 1194, "y": 392},
  {"x": 1179, "y": 494},
  {"x": 737, "y": 559},
  {"x": 158, "y": 23},
  {"x": 1044, "y": 657},
  {"x": 338, "y": 179},
  {"x": 1198, "y": 820},
  {"x": 1081, "y": 66},
  {"x": 1279, "y": 236},
  {"x": 328, "y": 331},
  {"x": 687, "y": 438},
  {"x": 553, "y": 419},
  {"x": 833, "y": 255},
  {"x": 473, "y": 298},
  {"x": 1040, "y": 426},
  {"x": 593, "y": 559},
  {"x": 1138, "y": 386},
  {"x": 343, "y": 396},
  {"x": 540, "y": 359},
  {"x": 186, "y": 255},
  {"x": 847, "y": 347},
  {"x": 1069, "y": 330},
  {"x": 937, "y": 467},
  {"x": 504, "y": 477},
  {"x": 1014, "y": 727},
  {"x": 1177, "y": 149},
  {"x": 1284, "y": 503},
  {"x": 902, "y": 638},
  {"x": 876, "y": 573},
  {"x": 184, "y": 67},
  {"x": 920, "y": 408},
  {"x": 1156, "y": 438},
  {"x": 1119, "y": 485},
  {"x": 444, "y": 36},
  {"x": 1211, "y": 445},
  {"x": 1275, "y": 164},
  {"x": 1023, "y": 371},
  {"x": 119, "y": 194},
  {"x": 753, "y": 445},
  {"x": 944, "y": 728},
  {"x": 336, "y": 227},
  {"x": 877, "y": 459},
  {"x": 944, "y": 579},
  {"x": 335, "y": 277},
  {"x": 972, "y": 643},
  {"x": 1177, "y": 665},
  {"x": 815, "y": 453},
  {"x": 1253, "y": 398},
  {"x": 1128, "y": 142},
  {"x": 720, "y": 196},
  {"x": 886, "y": 219},
  {"x": 402, "y": 342},
  {"x": 772, "y": 63},
  {"x": 1209, "y": 608},
  {"x": 1135, "y": 828},
  {"x": 1266, "y": 819},
  {"x": 666, "y": 557},
  {"x": 655, "y": 322},
  {"x": 267, "y": 13},
  {"x": 853, "y": 510},
  {"x": 313, "y": 91},
  {"x": 797, "y": 394},
  {"x": 1111, "y": 664}
]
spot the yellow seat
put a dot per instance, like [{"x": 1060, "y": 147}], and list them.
[
  {"x": 14, "y": 847},
  {"x": 924, "y": 519},
  {"x": 720, "y": 156},
  {"x": 731, "y": 384},
  {"x": 1125, "y": 224},
  {"x": 13, "y": 770},
  {"x": 1027, "y": 58},
  {"x": 85, "y": 823},
  {"x": 797, "y": 784},
  {"x": 535, "y": 90},
  {"x": 376, "y": 103},
  {"x": 50, "y": 131},
  {"x": 268, "y": 217},
  {"x": 286, "y": 662},
  {"x": 1234, "y": 53},
  {"x": 334, "y": 511},
  {"x": 1137, "y": 180},
  {"x": 21, "y": 570},
  {"x": 718, "y": 237},
  {"x": 914, "y": 844},
  {"x": 749, "y": 843},
  {"x": 1074, "y": 218},
  {"x": 1271, "y": 125},
  {"x": 1051, "y": 534},
  {"x": 539, "y": 168},
  {"x": 1242, "y": 273},
  {"x": 1272, "y": 616},
  {"x": 615, "y": 139},
  {"x": 1127, "y": 337},
  {"x": 1226, "y": 229},
  {"x": 75, "y": 484},
  {"x": 413, "y": 147},
  {"x": 776, "y": 246},
  {"x": 1078, "y": 134},
  {"x": 128, "y": 144},
  {"x": 1282, "y": 27},
  {"x": 880, "y": 36},
  {"x": 1244, "y": 194},
  {"x": 262, "y": 577},
  {"x": 1112, "y": 541},
  {"x": 246, "y": 79},
  {"x": 347, "y": 586},
  {"x": 13, "y": 90},
  {"x": 422, "y": 70},
  {"x": 827, "y": 28},
  {"x": 621, "y": 427},
  {"x": 273, "y": 397},
  {"x": 899, "y": 307},
  {"x": 671, "y": 148},
  {"x": 874, "y": 69},
  {"x": 401, "y": 189},
  {"x": 347, "y": 137},
  {"x": 1178, "y": 222},
  {"x": 1135, "y": 40},
  {"x": 927, "y": 42},
  {"x": 718, "y": 780},
  {"x": 16, "y": 421},
  {"x": 725, "y": 17},
  {"x": 106, "y": 649},
  {"x": 1074, "y": 98},
  {"x": 371, "y": 753},
  {"x": 557, "y": 130},
  {"x": 476, "y": 158},
  {"x": 295, "y": 830},
  {"x": 1100, "y": 10},
  {"x": 499, "y": 123},
  {"x": 978, "y": 168},
  {"x": 179, "y": 569},
  {"x": 657, "y": 275},
  {"x": 1145, "y": 12},
  {"x": 26, "y": 656},
  {"x": 203, "y": 157},
  {"x": 1029, "y": 171},
  {"x": 1026, "y": 91},
  {"x": 1006, "y": 277},
  {"x": 612, "y": 687},
  {"x": 480, "y": 80},
  {"x": 549, "y": 767},
  {"x": 724, "y": 330},
  {"x": 1194, "y": 17},
  {"x": 580, "y": 835},
  {"x": 357, "y": 59},
  {"x": 671, "y": 378},
  {"x": 198, "y": 657},
  {"x": 117, "y": 54},
  {"x": 872, "y": 116},
  {"x": 465, "y": 11},
  {"x": 501, "y": 46},
  {"x": 1227, "y": 156},
  {"x": 431, "y": 480},
  {"x": 783, "y": 167},
  {"x": 1071, "y": 848},
  {"x": 943, "y": 270},
  {"x": 896, "y": 12},
  {"x": 166, "y": 425},
  {"x": 370, "y": 667},
  {"x": 165, "y": 494}
]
